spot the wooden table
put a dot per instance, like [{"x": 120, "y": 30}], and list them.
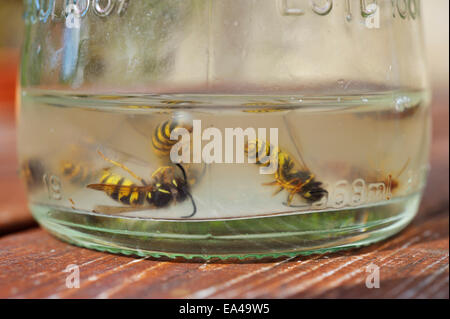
[{"x": 413, "y": 264}]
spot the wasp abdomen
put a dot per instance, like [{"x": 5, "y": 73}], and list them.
[
  {"x": 128, "y": 196},
  {"x": 76, "y": 173},
  {"x": 161, "y": 141},
  {"x": 32, "y": 171}
]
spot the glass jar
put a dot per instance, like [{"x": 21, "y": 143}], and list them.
[{"x": 202, "y": 128}]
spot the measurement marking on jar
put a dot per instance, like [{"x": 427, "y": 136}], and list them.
[
  {"x": 53, "y": 185},
  {"x": 348, "y": 8},
  {"x": 322, "y": 10},
  {"x": 404, "y": 9},
  {"x": 286, "y": 10},
  {"x": 343, "y": 193},
  {"x": 58, "y": 10},
  {"x": 103, "y": 11}
]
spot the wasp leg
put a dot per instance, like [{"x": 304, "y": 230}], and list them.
[
  {"x": 163, "y": 170},
  {"x": 277, "y": 191},
  {"x": 129, "y": 171},
  {"x": 290, "y": 198},
  {"x": 271, "y": 183}
]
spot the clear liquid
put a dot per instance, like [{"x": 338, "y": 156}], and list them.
[{"x": 369, "y": 152}]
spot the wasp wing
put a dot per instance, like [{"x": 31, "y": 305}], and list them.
[
  {"x": 117, "y": 210},
  {"x": 110, "y": 188}
]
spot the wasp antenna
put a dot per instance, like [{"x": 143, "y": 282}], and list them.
[
  {"x": 183, "y": 171},
  {"x": 193, "y": 204},
  {"x": 402, "y": 170},
  {"x": 187, "y": 192}
]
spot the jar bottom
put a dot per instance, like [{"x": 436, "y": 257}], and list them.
[{"x": 288, "y": 235}]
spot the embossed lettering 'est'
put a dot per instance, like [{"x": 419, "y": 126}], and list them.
[{"x": 60, "y": 10}]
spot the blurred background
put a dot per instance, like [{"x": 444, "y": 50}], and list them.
[{"x": 10, "y": 41}]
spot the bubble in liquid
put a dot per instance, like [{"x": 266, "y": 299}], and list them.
[
  {"x": 341, "y": 82},
  {"x": 401, "y": 103}
]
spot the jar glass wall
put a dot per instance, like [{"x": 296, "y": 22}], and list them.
[{"x": 297, "y": 126}]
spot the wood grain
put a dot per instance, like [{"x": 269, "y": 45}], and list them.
[{"x": 413, "y": 264}]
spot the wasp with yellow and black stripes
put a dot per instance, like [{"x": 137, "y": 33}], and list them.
[
  {"x": 288, "y": 176},
  {"x": 169, "y": 184},
  {"x": 77, "y": 173},
  {"x": 32, "y": 171},
  {"x": 161, "y": 142},
  {"x": 166, "y": 187}
]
